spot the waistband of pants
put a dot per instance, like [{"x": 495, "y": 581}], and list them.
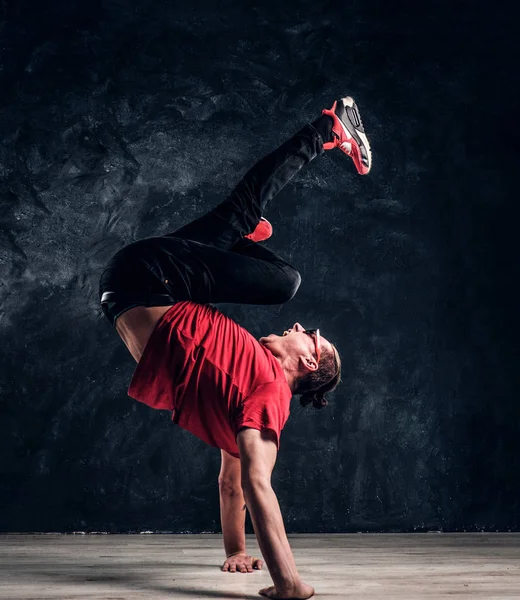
[{"x": 144, "y": 299}]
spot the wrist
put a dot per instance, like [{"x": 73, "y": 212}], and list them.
[{"x": 236, "y": 553}]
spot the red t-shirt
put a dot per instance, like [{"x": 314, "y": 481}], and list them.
[{"x": 213, "y": 374}]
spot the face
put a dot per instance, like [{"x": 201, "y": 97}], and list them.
[{"x": 297, "y": 344}]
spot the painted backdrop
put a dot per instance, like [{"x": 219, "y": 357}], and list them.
[{"x": 122, "y": 120}]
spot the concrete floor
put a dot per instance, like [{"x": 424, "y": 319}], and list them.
[{"x": 361, "y": 566}]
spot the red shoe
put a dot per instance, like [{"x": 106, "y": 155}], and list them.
[
  {"x": 348, "y": 133},
  {"x": 263, "y": 231}
]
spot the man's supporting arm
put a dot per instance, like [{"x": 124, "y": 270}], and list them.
[
  {"x": 270, "y": 533},
  {"x": 258, "y": 452}
]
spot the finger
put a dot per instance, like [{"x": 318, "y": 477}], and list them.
[
  {"x": 225, "y": 567},
  {"x": 243, "y": 569},
  {"x": 233, "y": 569},
  {"x": 249, "y": 569}
]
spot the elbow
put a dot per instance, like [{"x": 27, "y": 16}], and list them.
[
  {"x": 230, "y": 488},
  {"x": 256, "y": 484}
]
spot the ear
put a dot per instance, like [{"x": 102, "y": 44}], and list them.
[{"x": 309, "y": 362}]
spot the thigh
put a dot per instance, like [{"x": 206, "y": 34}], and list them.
[
  {"x": 188, "y": 270},
  {"x": 247, "y": 247},
  {"x": 203, "y": 273}
]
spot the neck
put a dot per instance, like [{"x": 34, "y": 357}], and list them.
[{"x": 290, "y": 375}]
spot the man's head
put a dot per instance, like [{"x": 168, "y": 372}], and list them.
[{"x": 311, "y": 363}]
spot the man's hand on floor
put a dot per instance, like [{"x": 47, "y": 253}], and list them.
[{"x": 242, "y": 563}]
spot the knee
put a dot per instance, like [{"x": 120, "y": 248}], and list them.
[{"x": 291, "y": 282}]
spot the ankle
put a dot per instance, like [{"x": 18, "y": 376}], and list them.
[{"x": 323, "y": 126}]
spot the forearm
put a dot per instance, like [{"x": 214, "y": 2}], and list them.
[
  {"x": 270, "y": 532},
  {"x": 233, "y": 519}
]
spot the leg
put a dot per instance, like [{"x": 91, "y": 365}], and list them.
[
  {"x": 196, "y": 262},
  {"x": 238, "y": 215},
  {"x": 160, "y": 271}
]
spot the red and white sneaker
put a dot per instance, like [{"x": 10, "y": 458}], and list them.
[
  {"x": 348, "y": 133},
  {"x": 263, "y": 231}
]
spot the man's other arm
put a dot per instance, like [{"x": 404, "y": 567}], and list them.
[{"x": 232, "y": 504}]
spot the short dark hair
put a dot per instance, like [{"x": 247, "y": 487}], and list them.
[{"x": 314, "y": 385}]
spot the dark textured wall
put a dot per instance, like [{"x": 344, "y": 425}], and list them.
[{"x": 122, "y": 120}]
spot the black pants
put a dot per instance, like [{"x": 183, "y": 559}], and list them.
[{"x": 209, "y": 260}]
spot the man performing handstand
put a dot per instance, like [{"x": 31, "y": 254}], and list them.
[{"x": 221, "y": 384}]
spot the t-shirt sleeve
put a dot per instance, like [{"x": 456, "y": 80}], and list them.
[{"x": 265, "y": 408}]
